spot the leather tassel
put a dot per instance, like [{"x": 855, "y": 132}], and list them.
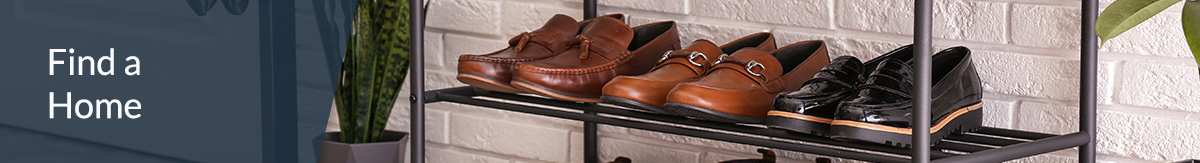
[
  {"x": 524, "y": 40},
  {"x": 584, "y": 44}
]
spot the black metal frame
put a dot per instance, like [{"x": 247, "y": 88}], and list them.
[{"x": 986, "y": 145}]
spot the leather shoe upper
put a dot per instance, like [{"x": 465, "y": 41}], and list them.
[
  {"x": 747, "y": 82},
  {"x": 835, "y": 83},
  {"x": 549, "y": 40},
  {"x": 821, "y": 95},
  {"x": 680, "y": 66},
  {"x": 604, "y": 50},
  {"x": 884, "y": 97}
]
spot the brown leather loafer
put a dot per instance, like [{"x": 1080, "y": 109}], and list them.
[
  {"x": 604, "y": 50},
  {"x": 493, "y": 71},
  {"x": 741, "y": 87},
  {"x": 649, "y": 91}
]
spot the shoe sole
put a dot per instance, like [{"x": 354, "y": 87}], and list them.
[
  {"x": 701, "y": 113},
  {"x": 798, "y": 123},
  {"x": 627, "y": 103},
  {"x": 539, "y": 90},
  {"x": 965, "y": 119},
  {"x": 485, "y": 82}
]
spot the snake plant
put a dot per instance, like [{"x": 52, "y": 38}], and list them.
[{"x": 376, "y": 61}]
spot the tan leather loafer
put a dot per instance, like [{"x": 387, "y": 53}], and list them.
[
  {"x": 493, "y": 71},
  {"x": 741, "y": 87},
  {"x": 604, "y": 50},
  {"x": 649, "y": 91}
]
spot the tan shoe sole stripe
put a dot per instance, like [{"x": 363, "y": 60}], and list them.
[
  {"x": 908, "y": 131},
  {"x": 486, "y": 83},
  {"x": 800, "y": 116},
  {"x": 535, "y": 90}
]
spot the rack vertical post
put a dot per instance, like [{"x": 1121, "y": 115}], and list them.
[
  {"x": 922, "y": 50},
  {"x": 1087, "y": 80},
  {"x": 416, "y": 82},
  {"x": 591, "y": 138}
]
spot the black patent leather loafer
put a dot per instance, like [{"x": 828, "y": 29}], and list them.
[
  {"x": 903, "y": 54},
  {"x": 810, "y": 110},
  {"x": 881, "y": 111}
]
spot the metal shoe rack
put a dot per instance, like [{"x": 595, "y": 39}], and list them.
[{"x": 986, "y": 145}]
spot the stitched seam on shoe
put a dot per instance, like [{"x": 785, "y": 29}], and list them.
[
  {"x": 604, "y": 67},
  {"x": 489, "y": 59}
]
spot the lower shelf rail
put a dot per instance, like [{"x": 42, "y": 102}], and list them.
[{"x": 984, "y": 145}]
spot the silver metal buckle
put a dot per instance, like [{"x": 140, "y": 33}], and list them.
[
  {"x": 665, "y": 56},
  {"x": 720, "y": 59},
  {"x": 692, "y": 58},
  {"x": 750, "y": 66}
]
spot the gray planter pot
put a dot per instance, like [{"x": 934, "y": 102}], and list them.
[{"x": 389, "y": 150}]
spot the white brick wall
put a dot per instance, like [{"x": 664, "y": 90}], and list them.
[{"x": 1026, "y": 51}]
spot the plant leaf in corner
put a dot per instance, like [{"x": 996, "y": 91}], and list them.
[
  {"x": 1191, "y": 27},
  {"x": 1123, "y": 15}
]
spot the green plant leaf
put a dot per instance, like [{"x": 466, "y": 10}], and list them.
[
  {"x": 1191, "y": 27},
  {"x": 1122, "y": 15},
  {"x": 375, "y": 64}
]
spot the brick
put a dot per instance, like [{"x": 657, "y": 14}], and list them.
[
  {"x": 1045, "y": 26},
  {"x": 667, "y": 6},
  {"x": 1056, "y": 78},
  {"x": 805, "y": 13},
  {"x": 864, "y": 49},
  {"x": 692, "y": 31},
  {"x": 437, "y": 123},
  {"x": 450, "y": 155},
  {"x": 970, "y": 20},
  {"x": 1046, "y": 159},
  {"x": 692, "y": 140},
  {"x": 718, "y": 157},
  {"x": 611, "y": 148},
  {"x": 437, "y": 80},
  {"x": 435, "y": 52},
  {"x": 719, "y": 34},
  {"x": 508, "y": 116},
  {"x": 1104, "y": 83},
  {"x": 524, "y": 17},
  {"x": 793, "y": 155},
  {"x": 576, "y": 149},
  {"x": 434, "y": 79},
  {"x": 509, "y": 138},
  {"x": 1158, "y": 36},
  {"x": 1145, "y": 137},
  {"x": 606, "y": 129},
  {"x": 457, "y": 45},
  {"x": 638, "y": 20},
  {"x": 998, "y": 113},
  {"x": 1160, "y": 86},
  {"x": 960, "y": 20},
  {"x": 1047, "y": 118},
  {"x": 472, "y": 16}
]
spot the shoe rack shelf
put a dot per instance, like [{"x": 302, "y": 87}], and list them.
[{"x": 984, "y": 145}]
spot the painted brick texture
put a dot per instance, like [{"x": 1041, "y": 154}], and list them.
[{"x": 1026, "y": 51}]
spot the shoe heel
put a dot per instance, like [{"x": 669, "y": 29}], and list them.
[
  {"x": 967, "y": 122},
  {"x": 970, "y": 122}
]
